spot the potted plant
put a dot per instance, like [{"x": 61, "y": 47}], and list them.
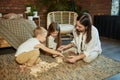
[
  {"x": 55, "y": 5},
  {"x": 35, "y": 11},
  {"x": 28, "y": 8},
  {"x": 61, "y": 5},
  {"x": 30, "y": 15}
]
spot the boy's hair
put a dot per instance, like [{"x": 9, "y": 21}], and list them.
[{"x": 39, "y": 30}]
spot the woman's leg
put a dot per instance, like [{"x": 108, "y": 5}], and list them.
[{"x": 91, "y": 57}]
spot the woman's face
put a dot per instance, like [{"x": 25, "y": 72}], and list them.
[
  {"x": 54, "y": 34},
  {"x": 79, "y": 27}
]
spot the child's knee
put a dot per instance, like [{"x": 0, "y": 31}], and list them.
[{"x": 18, "y": 60}]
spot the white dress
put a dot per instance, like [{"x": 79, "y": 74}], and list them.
[{"x": 51, "y": 43}]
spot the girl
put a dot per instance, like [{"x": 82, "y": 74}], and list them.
[{"x": 53, "y": 37}]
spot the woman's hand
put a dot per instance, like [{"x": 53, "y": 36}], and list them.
[
  {"x": 64, "y": 47},
  {"x": 61, "y": 48},
  {"x": 72, "y": 59}
]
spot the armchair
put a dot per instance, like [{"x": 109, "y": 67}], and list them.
[{"x": 65, "y": 19}]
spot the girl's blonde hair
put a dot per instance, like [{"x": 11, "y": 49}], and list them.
[{"x": 39, "y": 30}]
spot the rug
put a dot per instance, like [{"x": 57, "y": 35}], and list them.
[{"x": 99, "y": 69}]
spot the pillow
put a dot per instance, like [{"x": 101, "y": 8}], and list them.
[
  {"x": 66, "y": 28},
  {"x": 11, "y": 16}
]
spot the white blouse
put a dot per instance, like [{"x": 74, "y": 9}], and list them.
[{"x": 94, "y": 46}]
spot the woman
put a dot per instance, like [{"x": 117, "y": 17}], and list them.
[{"x": 86, "y": 40}]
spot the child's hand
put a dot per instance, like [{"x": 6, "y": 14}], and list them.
[
  {"x": 60, "y": 54},
  {"x": 71, "y": 59},
  {"x": 54, "y": 56}
]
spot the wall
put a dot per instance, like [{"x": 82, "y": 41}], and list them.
[
  {"x": 17, "y": 6},
  {"x": 95, "y": 7}
]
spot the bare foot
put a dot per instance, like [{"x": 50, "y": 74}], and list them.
[{"x": 22, "y": 68}]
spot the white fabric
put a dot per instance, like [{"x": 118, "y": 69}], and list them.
[
  {"x": 51, "y": 42},
  {"x": 91, "y": 48},
  {"x": 66, "y": 28},
  {"x": 91, "y": 57},
  {"x": 27, "y": 46}
]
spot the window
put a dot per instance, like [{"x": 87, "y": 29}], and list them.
[{"x": 115, "y": 7}]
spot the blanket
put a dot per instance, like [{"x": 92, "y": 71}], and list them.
[{"x": 16, "y": 31}]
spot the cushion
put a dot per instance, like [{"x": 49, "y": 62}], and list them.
[{"x": 66, "y": 28}]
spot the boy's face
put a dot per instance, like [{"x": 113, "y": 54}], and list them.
[{"x": 42, "y": 37}]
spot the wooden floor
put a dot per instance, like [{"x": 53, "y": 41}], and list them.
[{"x": 111, "y": 48}]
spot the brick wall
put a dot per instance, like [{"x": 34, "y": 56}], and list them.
[
  {"x": 19, "y": 6},
  {"x": 16, "y": 6},
  {"x": 95, "y": 7}
]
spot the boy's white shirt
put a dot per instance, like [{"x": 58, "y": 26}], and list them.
[
  {"x": 27, "y": 46},
  {"x": 51, "y": 42},
  {"x": 94, "y": 46}
]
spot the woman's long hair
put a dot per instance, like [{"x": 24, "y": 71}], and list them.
[
  {"x": 52, "y": 28},
  {"x": 85, "y": 19}
]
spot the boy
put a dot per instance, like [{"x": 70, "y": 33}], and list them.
[{"x": 28, "y": 52}]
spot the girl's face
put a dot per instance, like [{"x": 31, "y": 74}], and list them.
[
  {"x": 79, "y": 27},
  {"x": 54, "y": 34}
]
